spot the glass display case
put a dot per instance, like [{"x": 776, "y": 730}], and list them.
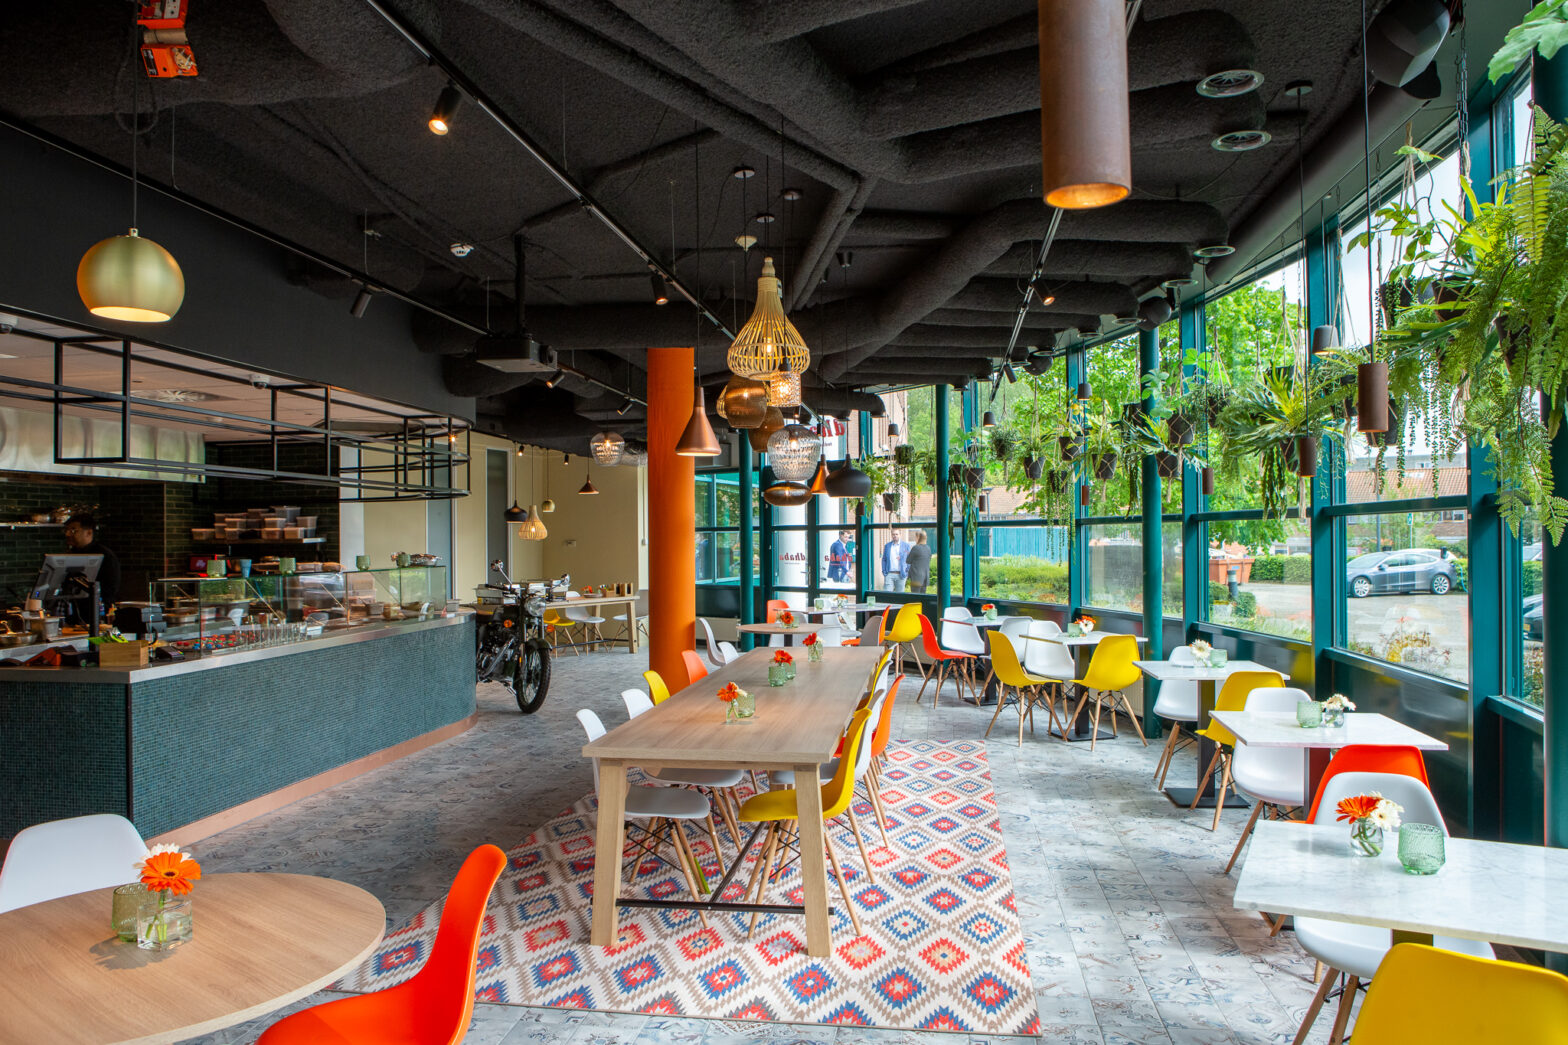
[{"x": 209, "y": 614}]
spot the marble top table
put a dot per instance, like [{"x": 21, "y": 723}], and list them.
[
  {"x": 1493, "y": 891},
  {"x": 1205, "y": 677},
  {"x": 854, "y": 607},
  {"x": 1279, "y": 729}
]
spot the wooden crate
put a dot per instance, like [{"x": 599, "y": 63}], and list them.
[{"x": 123, "y": 654}]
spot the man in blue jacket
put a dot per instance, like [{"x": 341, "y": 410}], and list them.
[{"x": 895, "y": 557}]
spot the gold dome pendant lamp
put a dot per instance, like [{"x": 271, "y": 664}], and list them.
[
  {"x": 772, "y": 421},
  {"x": 1086, "y": 147},
  {"x": 127, "y": 277}
]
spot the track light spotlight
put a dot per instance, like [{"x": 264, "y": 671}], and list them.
[
  {"x": 661, "y": 290},
  {"x": 624, "y": 407},
  {"x": 361, "y": 302},
  {"x": 554, "y": 379},
  {"x": 446, "y": 105}
]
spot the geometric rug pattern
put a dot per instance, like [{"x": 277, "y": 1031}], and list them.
[{"x": 942, "y": 947}]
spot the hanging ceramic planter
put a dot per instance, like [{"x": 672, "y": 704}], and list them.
[
  {"x": 1167, "y": 464},
  {"x": 1208, "y": 481},
  {"x": 1372, "y": 397},
  {"x": 1306, "y": 447},
  {"x": 1104, "y": 466},
  {"x": 1181, "y": 430},
  {"x": 1034, "y": 468},
  {"x": 890, "y": 502},
  {"x": 1059, "y": 479},
  {"x": 1069, "y": 446}
]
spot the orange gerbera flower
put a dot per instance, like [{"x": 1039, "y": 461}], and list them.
[
  {"x": 1357, "y": 807},
  {"x": 811, "y": 640},
  {"x": 169, "y": 870},
  {"x": 729, "y": 692},
  {"x": 783, "y": 656}
]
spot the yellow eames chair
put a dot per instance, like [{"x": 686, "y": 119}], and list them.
[
  {"x": 780, "y": 808},
  {"x": 1111, "y": 670},
  {"x": 656, "y": 687},
  {"x": 1439, "y": 997},
  {"x": 1232, "y": 697},
  {"x": 1026, "y": 687},
  {"x": 905, "y": 631}
]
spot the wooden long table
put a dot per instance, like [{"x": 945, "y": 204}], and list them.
[
  {"x": 261, "y": 942},
  {"x": 796, "y": 727}
]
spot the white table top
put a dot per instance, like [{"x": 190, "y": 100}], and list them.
[
  {"x": 1165, "y": 671},
  {"x": 858, "y": 607},
  {"x": 1492, "y": 891},
  {"x": 1279, "y": 729},
  {"x": 1093, "y": 638}
]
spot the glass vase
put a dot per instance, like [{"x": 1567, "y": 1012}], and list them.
[
  {"x": 1309, "y": 714},
  {"x": 163, "y": 924},
  {"x": 814, "y": 653},
  {"x": 1333, "y": 718},
  {"x": 778, "y": 674},
  {"x": 128, "y": 901},
  {"x": 1366, "y": 838},
  {"x": 1421, "y": 848}
]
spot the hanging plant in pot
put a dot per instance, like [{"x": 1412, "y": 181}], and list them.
[
  {"x": 1102, "y": 442},
  {"x": 1278, "y": 419}
]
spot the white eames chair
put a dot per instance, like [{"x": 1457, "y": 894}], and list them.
[
  {"x": 1270, "y": 776},
  {"x": 1177, "y": 704},
  {"x": 65, "y": 857}
]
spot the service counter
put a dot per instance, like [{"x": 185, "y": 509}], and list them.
[{"x": 217, "y": 739}]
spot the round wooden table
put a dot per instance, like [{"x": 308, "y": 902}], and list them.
[{"x": 261, "y": 941}]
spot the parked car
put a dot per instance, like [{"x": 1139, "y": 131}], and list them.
[
  {"x": 1414, "y": 569},
  {"x": 1534, "y": 619}
]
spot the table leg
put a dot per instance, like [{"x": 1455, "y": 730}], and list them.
[
  {"x": 1409, "y": 936},
  {"x": 1317, "y": 759},
  {"x": 1082, "y": 727},
  {"x": 631, "y": 627},
  {"x": 610, "y": 839},
  {"x": 1182, "y": 796},
  {"x": 813, "y": 865}
]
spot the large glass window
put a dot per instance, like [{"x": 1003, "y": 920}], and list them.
[
  {"x": 1404, "y": 590},
  {"x": 718, "y": 527},
  {"x": 1023, "y": 563},
  {"x": 1260, "y": 575}
]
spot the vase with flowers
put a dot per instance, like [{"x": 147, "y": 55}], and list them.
[
  {"x": 989, "y": 609},
  {"x": 738, "y": 704},
  {"x": 786, "y": 620},
  {"x": 1202, "y": 652},
  {"x": 1080, "y": 626},
  {"x": 1334, "y": 709},
  {"x": 165, "y": 922},
  {"x": 782, "y": 669},
  {"x": 813, "y": 646},
  {"x": 1369, "y": 815}
]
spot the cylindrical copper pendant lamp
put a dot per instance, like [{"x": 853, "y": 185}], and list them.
[
  {"x": 1086, "y": 150},
  {"x": 1372, "y": 397}
]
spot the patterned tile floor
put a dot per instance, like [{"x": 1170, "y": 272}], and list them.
[{"x": 1128, "y": 920}]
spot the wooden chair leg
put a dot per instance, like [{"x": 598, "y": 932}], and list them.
[
  {"x": 759, "y": 878},
  {"x": 684, "y": 854},
  {"x": 1203, "y": 780},
  {"x": 1257, "y": 807},
  {"x": 875, "y": 791},
  {"x": 1313, "y": 1010},
  {"x": 1138, "y": 726},
  {"x": 1219, "y": 801},
  {"x": 843, "y": 888},
  {"x": 1165, "y": 754},
  {"x": 1094, "y": 735},
  {"x": 1347, "y": 1001},
  {"x": 1318, "y": 968},
  {"x": 1001, "y": 702},
  {"x": 860, "y": 842}
]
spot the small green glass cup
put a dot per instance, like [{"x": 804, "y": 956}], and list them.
[
  {"x": 1309, "y": 714},
  {"x": 127, "y": 904},
  {"x": 1422, "y": 849}
]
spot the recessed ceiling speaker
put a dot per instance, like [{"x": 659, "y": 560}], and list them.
[
  {"x": 1240, "y": 141},
  {"x": 1230, "y": 83},
  {"x": 1403, "y": 39}
]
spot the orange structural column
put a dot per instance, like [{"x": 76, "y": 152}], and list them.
[{"x": 672, "y": 516}]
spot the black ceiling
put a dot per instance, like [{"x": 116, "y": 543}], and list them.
[{"x": 911, "y": 131}]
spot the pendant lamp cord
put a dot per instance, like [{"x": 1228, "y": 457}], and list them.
[
  {"x": 696, "y": 224},
  {"x": 136, "y": 120},
  {"x": 1366, "y": 144}
]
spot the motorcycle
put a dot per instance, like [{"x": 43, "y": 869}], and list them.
[{"x": 512, "y": 647}]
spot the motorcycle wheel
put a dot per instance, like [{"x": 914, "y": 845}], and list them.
[{"x": 531, "y": 678}]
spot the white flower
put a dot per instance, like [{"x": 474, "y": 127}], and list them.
[
  {"x": 1200, "y": 648},
  {"x": 1386, "y": 816},
  {"x": 1340, "y": 701}
]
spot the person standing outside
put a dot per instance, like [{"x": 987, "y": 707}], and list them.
[
  {"x": 894, "y": 553},
  {"x": 917, "y": 563},
  {"x": 838, "y": 558}
]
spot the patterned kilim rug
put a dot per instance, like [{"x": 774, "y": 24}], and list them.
[{"x": 942, "y": 947}]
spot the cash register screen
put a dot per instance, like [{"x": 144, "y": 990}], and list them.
[{"x": 60, "y": 573}]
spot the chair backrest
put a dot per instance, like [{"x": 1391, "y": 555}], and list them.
[
  {"x": 554, "y": 619},
  {"x": 1440, "y": 997},
  {"x": 696, "y": 671},
  {"x": 883, "y": 731},
  {"x": 878, "y": 701},
  {"x": 1370, "y": 758},
  {"x": 959, "y": 632},
  {"x": 63, "y": 857},
  {"x": 444, "y": 988},
  {"x": 656, "y": 687},
  {"x": 636, "y": 702},
  {"x": 595, "y": 729},
  {"x": 879, "y": 675},
  {"x": 1004, "y": 659},
  {"x": 710, "y": 644},
  {"x": 1419, "y": 805},
  {"x": 1044, "y": 658},
  {"x": 871, "y": 634},
  {"x": 928, "y": 640},
  {"x": 1275, "y": 698},
  {"x": 1257, "y": 767},
  {"x": 728, "y": 651},
  {"x": 1015, "y": 628},
  {"x": 775, "y": 607},
  {"x": 829, "y": 636},
  {"x": 1183, "y": 655},
  {"x": 837, "y": 793},
  {"x": 1111, "y": 666},
  {"x": 906, "y": 626},
  {"x": 1233, "y": 697}
]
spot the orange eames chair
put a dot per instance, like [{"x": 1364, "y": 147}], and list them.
[
  {"x": 1232, "y": 697},
  {"x": 695, "y": 670},
  {"x": 945, "y": 664},
  {"x": 656, "y": 687},
  {"x": 432, "y": 1008},
  {"x": 1111, "y": 670},
  {"x": 780, "y": 808},
  {"x": 775, "y": 607},
  {"x": 881, "y": 733},
  {"x": 1371, "y": 758}
]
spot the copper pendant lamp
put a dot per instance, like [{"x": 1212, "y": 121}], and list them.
[
  {"x": 819, "y": 478},
  {"x": 1086, "y": 150},
  {"x": 772, "y": 421},
  {"x": 698, "y": 439},
  {"x": 787, "y": 494},
  {"x": 588, "y": 488},
  {"x": 743, "y": 403}
]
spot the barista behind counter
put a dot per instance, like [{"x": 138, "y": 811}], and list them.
[{"x": 81, "y": 535}]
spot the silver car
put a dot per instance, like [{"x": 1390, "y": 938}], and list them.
[{"x": 1414, "y": 569}]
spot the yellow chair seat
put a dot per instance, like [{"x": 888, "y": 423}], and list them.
[{"x": 771, "y": 805}]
